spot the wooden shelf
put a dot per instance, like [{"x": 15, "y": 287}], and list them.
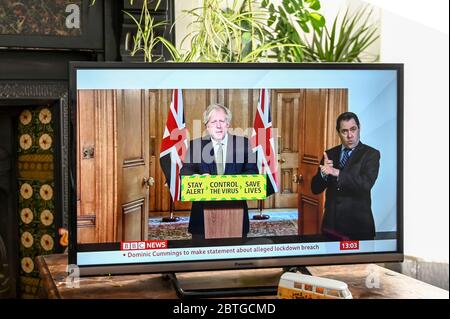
[{"x": 385, "y": 283}]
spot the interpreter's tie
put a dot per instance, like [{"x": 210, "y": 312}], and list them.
[
  {"x": 344, "y": 158},
  {"x": 219, "y": 159}
]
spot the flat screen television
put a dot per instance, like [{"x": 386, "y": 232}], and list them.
[{"x": 327, "y": 138}]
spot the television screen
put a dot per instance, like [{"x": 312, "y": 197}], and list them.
[{"x": 189, "y": 167}]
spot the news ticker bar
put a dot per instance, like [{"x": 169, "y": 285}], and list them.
[{"x": 161, "y": 254}]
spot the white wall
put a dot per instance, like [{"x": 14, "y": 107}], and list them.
[{"x": 409, "y": 36}]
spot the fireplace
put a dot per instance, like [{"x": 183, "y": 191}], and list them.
[
  {"x": 8, "y": 240},
  {"x": 34, "y": 84},
  {"x": 34, "y": 140},
  {"x": 33, "y": 181}
]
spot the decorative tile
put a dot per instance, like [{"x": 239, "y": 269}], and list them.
[
  {"x": 26, "y": 215},
  {"x": 46, "y": 217},
  {"x": 36, "y": 202}
]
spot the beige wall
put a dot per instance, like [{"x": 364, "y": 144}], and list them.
[{"x": 182, "y": 20}]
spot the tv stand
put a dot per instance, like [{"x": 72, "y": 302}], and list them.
[
  {"x": 301, "y": 269},
  {"x": 226, "y": 283},
  {"x": 53, "y": 273}
]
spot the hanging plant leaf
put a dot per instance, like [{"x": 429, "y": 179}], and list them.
[{"x": 317, "y": 20}]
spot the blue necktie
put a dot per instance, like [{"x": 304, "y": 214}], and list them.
[{"x": 344, "y": 158}]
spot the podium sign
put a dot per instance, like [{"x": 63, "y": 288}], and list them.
[{"x": 199, "y": 188}]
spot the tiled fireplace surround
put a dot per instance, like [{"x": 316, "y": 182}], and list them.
[{"x": 18, "y": 276}]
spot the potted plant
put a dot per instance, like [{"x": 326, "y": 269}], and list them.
[{"x": 256, "y": 31}]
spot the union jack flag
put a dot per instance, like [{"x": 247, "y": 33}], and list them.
[
  {"x": 263, "y": 142},
  {"x": 174, "y": 144}
]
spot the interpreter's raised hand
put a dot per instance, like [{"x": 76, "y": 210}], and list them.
[
  {"x": 327, "y": 167},
  {"x": 326, "y": 160}
]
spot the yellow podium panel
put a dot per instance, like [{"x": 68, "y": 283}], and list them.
[{"x": 198, "y": 188}]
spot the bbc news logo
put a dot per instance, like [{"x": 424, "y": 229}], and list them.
[{"x": 143, "y": 245}]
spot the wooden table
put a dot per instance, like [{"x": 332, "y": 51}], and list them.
[{"x": 383, "y": 283}]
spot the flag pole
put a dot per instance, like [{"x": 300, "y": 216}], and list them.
[
  {"x": 171, "y": 217},
  {"x": 261, "y": 216},
  {"x": 171, "y": 150},
  {"x": 261, "y": 143}
]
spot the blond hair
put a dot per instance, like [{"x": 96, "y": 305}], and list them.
[{"x": 214, "y": 107}]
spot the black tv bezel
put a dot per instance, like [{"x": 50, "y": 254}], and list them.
[{"x": 227, "y": 264}]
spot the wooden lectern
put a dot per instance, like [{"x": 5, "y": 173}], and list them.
[{"x": 223, "y": 219}]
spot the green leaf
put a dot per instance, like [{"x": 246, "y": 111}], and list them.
[
  {"x": 304, "y": 27},
  {"x": 288, "y": 6},
  {"x": 317, "y": 20},
  {"x": 314, "y": 4}
]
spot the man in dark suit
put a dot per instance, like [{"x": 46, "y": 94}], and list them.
[
  {"x": 217, "y": 153},
  {"x": 348, "y": 173}
]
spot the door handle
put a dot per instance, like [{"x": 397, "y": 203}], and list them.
[
  {"x": 147, "y": 182},
  {"x": 282, "y": 160},
  {"x": 297, "y": 178}
]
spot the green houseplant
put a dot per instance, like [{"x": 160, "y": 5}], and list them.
[
  {"x": 238, "y": 33},
  {"x": 229, "y": 34},
  {"x": 348, "y": 43},
  {"x": 145, "y": 39},
  {"x": 288, "y": 22},
  {"x": 244, "y": 32},
  {"x": 256, "y": 31}
]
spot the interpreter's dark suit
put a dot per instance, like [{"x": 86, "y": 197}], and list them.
[
  {"x": 348, "y": 212},
  {"x": 200, "y": 159}
]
